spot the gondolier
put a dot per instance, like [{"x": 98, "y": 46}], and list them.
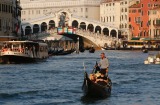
[{"x": 104, "y": 64}]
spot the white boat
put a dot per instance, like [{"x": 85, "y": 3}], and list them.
[
  {"x": 23, "y": 51},
  {"x": 152, "y": 59}
]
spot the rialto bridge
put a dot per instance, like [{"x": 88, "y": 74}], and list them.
[{"x": 97, "y": 32}]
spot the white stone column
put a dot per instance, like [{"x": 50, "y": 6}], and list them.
[
  {"x": 39, "y": 28},
  {"x": 24, "y": 32},
  {"x": 117, "y": 33},
  {"x": 31, "y": 29},
  {"x": 109, "y": 32}
]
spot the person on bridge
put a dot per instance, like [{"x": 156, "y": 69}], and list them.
[{"x": 104, "y": 64}]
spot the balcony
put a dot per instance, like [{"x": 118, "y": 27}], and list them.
[{"x": 156, "y": 22}]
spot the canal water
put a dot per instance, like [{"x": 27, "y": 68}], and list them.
[{"x": 58, "y": 81}]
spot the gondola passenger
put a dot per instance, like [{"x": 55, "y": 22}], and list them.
[{"x": 102, "y": 79}]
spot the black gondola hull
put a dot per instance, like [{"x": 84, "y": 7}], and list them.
[{"x": 91, "y": 50}]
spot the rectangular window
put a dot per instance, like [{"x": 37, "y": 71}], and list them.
[
  {"x": 86, "y": 9},
  {"x": 139, "y": 10},
  {"x": 6, "y": 8},
  {"x": 0, "y": 25},
  {"x": 142, "y": 5},
  {"x": 142, "y": 13},
  {"x": 141, "y": 23},
  {"x": 81, "y": 9},
  {"x": 11, "y": 9},
  {"x": 129, "y": 19},
  {"x": 0, "y": 7}
]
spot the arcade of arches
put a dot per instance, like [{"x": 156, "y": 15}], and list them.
[{"x": 75, "y": 24}]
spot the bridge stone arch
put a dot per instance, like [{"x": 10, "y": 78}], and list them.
[
  {"x": 83, "y": 25},
  {"x": 114, "y": 33},
  {"x": 51, "y": 24},
  {"x": 43, "y": 26},
  {"x": 90, "y": 27},
  {"x": 75, "y": 24},
  {"x": 35, "y": 28},
  {"x": 28, "y": 30},
  {"x": 106, "y": 31},
  {"x": 98, "y": 29}
]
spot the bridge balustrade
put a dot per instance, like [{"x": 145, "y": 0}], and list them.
[{"x": 97, "y": 38}]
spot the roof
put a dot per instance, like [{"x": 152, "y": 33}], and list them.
[
  {"x": 135, "y": 6},
  {"x": 135, "y": 38},
  {"x": 108, "y": 1}
]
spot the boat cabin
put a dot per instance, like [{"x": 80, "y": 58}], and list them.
[{"x": 25, "y": 48}]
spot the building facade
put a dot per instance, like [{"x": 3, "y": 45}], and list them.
[
  {"x": 9, "y": 18},
  {"x": 146, "y": 6},
  {"x": 110, "y": 12},
  {"x": 116, "y": 12},
  {"x": 5, "y": 17},
  {"x": 124, "y": 27},
  {"x": 142, "y": 18},
  {"x": 154, "y": 21},
  {"x": 135, "y": 20},
  {"x": 82, "y": 8}
]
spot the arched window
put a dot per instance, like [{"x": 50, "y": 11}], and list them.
[
  {"x": 125, "y": 17},
  {"x": 125, "y": 25},
  {"x": 122, "y": 10},
  {"x": 122, "y": 26},
  {"x": 125, "y": 9},
  {"x": 122, "y": 17}
]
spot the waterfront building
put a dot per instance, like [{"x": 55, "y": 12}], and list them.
[
  {"x": 10, "y": 12},
  {"x": 37, "y": 8},
  {"x": 124, "y": 18},
  {"x": 154, "y": 21},
  {"x": 135, "y": 20},
  {"x": 142, "y": 15},
  {"x": 116, "y": 12},
  {"x": 110, "y": 12},
  {"x": 146, "y": 6}
]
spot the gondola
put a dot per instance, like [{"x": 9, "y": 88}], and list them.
[
  {"x": 65, "y": 52},
  {"x": 81, "y": 49},
  {"x": 54, "y": 52},
  {"x": 92, "y": 50},
  {"x": 145, "y": 50},
  {"x": 91, "y": 89}
]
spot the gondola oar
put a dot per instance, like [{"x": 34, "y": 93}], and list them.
[
  {"x": 96, "y": 68},
  {"x": 84, "y": 68}
]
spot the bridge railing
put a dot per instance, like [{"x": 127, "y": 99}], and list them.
[
  {"x": 99, "y": 39},
  {"x": 36, "y": 36}
]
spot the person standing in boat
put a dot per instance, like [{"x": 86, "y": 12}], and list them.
[{"x": 104, "y": 64}]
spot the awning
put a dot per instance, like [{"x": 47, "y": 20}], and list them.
[{"x": 135, "y": 38}]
